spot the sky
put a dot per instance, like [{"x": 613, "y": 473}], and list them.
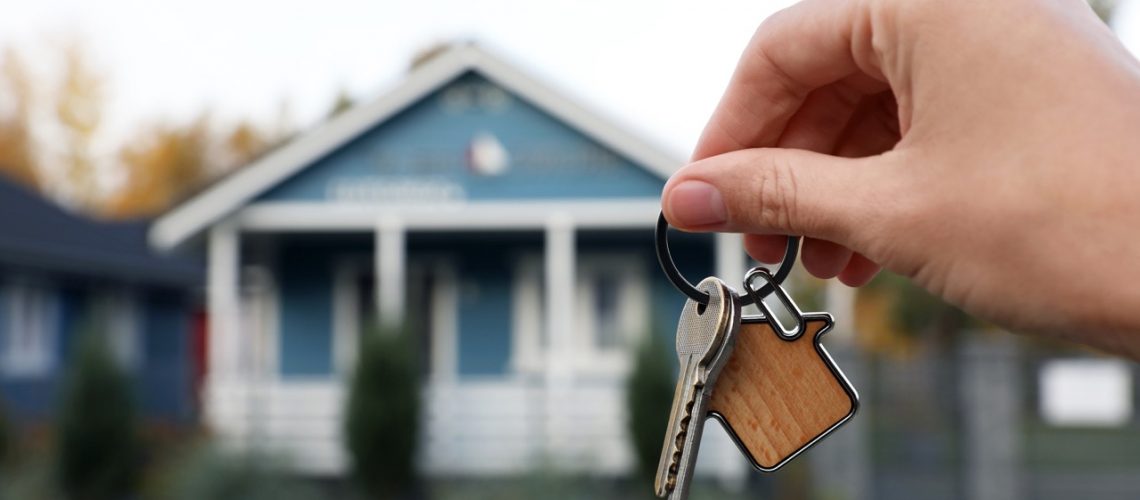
[{"x": 656, "y": 67}]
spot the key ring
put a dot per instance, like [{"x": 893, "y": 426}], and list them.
[{"x": 666, "y": 260}]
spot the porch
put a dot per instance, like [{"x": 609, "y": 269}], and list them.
[{"x": 526, "y": 331}]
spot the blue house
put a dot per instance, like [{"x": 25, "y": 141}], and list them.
[
  {"x": 510, "y": 225},
  {"x": 62, "y": 274}
]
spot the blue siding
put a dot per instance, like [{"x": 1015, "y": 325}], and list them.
[
  {"x": 428, "y": 142},
  {"x": 306, "y": 312},
  {"x": 485, "y": 321},
  {"x": 164, "y": 383}
]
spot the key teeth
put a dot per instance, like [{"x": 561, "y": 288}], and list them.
[{"x": 678, "y": 448}]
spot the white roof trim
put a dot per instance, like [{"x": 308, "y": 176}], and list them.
[
  {"x": 223, "y": 198},
  {"x": 619, "y": 213}
]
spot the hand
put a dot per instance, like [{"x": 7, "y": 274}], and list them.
[{"x": 988, "y": 150}]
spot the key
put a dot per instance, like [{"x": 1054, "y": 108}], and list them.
[{"x": 705, "y": 337}]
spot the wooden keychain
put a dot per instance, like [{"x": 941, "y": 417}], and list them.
[{"x": 780, "y": 392}]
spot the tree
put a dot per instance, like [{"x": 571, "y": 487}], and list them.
[
  {"x": 16, "y": 145},
  {"x": 649, "y": 399},
  {"x": 161, "y": 166},
  {"x": 98, "y": 448},
  {"x": 78, "y": 107},
  {"x": 382, "y": 418}
]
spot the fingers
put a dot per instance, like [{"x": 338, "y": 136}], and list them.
[
  {"x": 780, "y": 191},
  {"x": 766, "y": 248},
  {"x": 824, "y": 259},
  {"x": 794, "y": 52},
  {"x": 859, "y": 271}
]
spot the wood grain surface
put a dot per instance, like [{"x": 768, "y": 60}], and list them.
[{"x": 777, "y": 395}]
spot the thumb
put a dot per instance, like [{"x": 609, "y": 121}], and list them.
[{"x": 781, "y": 191}]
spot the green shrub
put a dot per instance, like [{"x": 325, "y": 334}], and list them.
[
  {"x": 649, "y": 397},
  {"x": 208, "y": 474},
  {"x": 382, "y": 418},
  {"x": 98, "y": 448}
]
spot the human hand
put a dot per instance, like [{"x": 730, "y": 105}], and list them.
[{"x": 987, "y": 150}]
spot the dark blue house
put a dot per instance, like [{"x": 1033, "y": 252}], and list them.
[{"x": 62, "y": 274}]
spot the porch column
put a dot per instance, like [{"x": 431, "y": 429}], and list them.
[
  {"x": 560, "y": 355},
  {"x": 222, "y": 300},
  {"x": 559, "y": 264},
  {"x": 730, "y": 259},
  {"x": 390, "y": 270}
]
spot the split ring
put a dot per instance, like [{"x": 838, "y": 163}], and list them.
[{"x": 682, "y": 284}]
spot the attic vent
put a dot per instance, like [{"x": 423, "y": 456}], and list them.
[{"x": 486, "y": 155}]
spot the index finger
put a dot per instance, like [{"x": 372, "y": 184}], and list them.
[{"x": 795, "y": 51}]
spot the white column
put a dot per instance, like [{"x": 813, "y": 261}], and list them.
[
  {"x": 560, "y": 355},
  {"x": 559, "y": 262},
  {"x": 222, "y": 300},
  {"x": 390, "y": 270},
  {"x": 730, "y": 259}
]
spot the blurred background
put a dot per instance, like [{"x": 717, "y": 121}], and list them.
[{"x": 404, "y": 250}]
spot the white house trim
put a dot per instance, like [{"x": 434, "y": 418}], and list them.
[
  {"x": 445, "y": 323},
  {"x": 730, "y": 259},
  {"x": 346, "y": 313},
  {"x": 632, "y": 311},
  {"x": 224, "y": 261},
  {"x": 390, "y": 276},
  {"x": 627, "y": 213},
  {"x": 560, "y": 256},
  {"x": 193, "y": 216},
  {"x": 527, "y": 328}
]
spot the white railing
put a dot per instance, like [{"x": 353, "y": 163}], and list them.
[{"x": 470, "y": 428}]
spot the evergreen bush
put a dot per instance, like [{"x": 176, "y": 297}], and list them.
[
  {"x": 98, "y": 449},
  {"x": 205, "y": 473},
  {"x": 649, "y": 398},
  {"x": 382, "y": 418}
]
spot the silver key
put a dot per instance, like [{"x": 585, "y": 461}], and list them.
[{"x": 705, "y": 337}]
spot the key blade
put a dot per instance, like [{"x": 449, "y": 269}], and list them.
[
  {"x": 689, "y": 448},
  {"x": 701, "y": 334},
  {"x": 679, "y": 420}
]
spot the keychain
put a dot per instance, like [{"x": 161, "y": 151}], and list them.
[{"x": 775, "y": 389}]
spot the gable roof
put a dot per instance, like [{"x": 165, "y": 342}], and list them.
[
  {"x": 37, "y": 234},
  {"x": 200, "y": 211}
]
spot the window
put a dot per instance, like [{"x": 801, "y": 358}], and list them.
[
  {"x": 31, "y": 315},
  {"x": 1086, "y": 392},
  {"x": 122, "y": 323},
  {"x": 257, "y": 343},
  {"x": 612, "y": 309},
  {"x": 608, "y": 325}
]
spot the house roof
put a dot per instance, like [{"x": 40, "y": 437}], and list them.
[
  {"x": 37, "y": 234},
  {"x": 194, "y": 215}
]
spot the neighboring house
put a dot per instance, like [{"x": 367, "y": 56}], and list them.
[
  {"x": 513, "y": 227},
  {"x": 58, "y": 272}
]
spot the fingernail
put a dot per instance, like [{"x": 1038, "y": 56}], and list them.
[{"x": 697, "y": 203}]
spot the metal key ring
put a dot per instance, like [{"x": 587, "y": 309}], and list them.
[{"x": 682, "y": 284}]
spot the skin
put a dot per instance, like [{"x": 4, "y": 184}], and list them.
[{"x": 988, "y": 150}]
